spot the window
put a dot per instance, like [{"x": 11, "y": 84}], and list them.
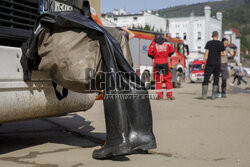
[
  {"x": 180, "y": 48},
  {"x": 199, "y": 49},
  {"x": 199, "y": 35},
  {"x": 115, "y": 19},
  {"x": 196, "y": 67},
  {"x": 184, "y": 36},
  {"x": 177, "y": 35},
  {"x": 135, "y": 18}
]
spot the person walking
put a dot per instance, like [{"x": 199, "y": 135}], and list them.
[
  {"x": 160, "y": 50},
  {"x": 224, "y": 68},
  {"x": 236, "y": 74},
  {"x": 214, "y": 49},
  {"x": 240, "y": 75}
]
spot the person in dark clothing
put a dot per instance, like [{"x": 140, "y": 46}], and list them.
[{"x": 214, "y": 49}]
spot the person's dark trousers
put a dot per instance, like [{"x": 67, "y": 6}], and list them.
[
  {"x": 224, "y": 86},
  {"x": 240, "y": 78},
  {"x": 209, "y": 70},
  {"x": 235, "y": 77}
]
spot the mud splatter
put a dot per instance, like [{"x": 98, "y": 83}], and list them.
[
  {"x": 220, "y": 159},
  {"x": 162, "y": 154},
  {"x": 34, "y": 154},
  {"x": 78, "y": 165}
]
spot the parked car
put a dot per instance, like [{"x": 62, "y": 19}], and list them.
[
  {"x": 196, "y": 72},
  {"x": 247, "y": 72}
]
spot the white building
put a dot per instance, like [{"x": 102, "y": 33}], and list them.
[
  {"x": 144, "y": 18},
  {"x": 196, "y": 30},
  {"x": 233, "y": 37}
]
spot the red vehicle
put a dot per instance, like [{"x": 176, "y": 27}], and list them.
[
  {"x": 196, "y": 71},
  {"x": 144, "y": 65}
]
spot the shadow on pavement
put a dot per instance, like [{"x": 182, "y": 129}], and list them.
[
  {"x": 120, "y": 158},
  {"x": 200, "y": 98},
  {"x": 70, "y": 130},
  {"x": 237, "y": 90}
]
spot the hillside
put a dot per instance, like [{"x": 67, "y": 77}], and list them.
[{"x": 235, "y": 15}]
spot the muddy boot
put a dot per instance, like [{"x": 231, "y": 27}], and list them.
[
  {"x": 214, "y": 91},
  {"x": 141, "y": 135},
  {"x": 204, "y": 91},
  {"x": 117, "y": 142}
]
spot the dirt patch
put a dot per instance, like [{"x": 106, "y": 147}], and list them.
[
  {"x": 34, "y": 154},
  {"x": 220, "y": 159},
  {"x": 78, "y": 165},
  {"x": 162, "y": 154}
]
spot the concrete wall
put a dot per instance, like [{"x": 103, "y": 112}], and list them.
[{"x": 237, "y": 43}]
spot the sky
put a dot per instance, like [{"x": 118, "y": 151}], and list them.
[{"x": 134, "y": 6}]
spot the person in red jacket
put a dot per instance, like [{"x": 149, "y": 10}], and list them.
[{"x": 160, "y": 50}]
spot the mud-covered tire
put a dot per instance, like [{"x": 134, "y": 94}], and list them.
[
  {"x": 145, "y": 77},
  {"x": 179, "y": 78}
]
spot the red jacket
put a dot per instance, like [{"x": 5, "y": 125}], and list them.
[{"x": 160, "y": 52}]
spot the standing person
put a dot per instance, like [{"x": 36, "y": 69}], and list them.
[
  {"x": 214, "y": 49},
  {"x": 240, "y": 76},
  {"x": 224, "y": 67},
  {"x": 160, "y": 50}
]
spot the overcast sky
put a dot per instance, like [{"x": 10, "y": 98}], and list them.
[{"x": 134, "y": 6}]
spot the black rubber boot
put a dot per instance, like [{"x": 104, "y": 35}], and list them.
[
  {"x": 204, "y": 91},
  {"x": 117, "y": 142},
  {"x": 214, "y": 91},
  {"x": 141, "y": 135}
]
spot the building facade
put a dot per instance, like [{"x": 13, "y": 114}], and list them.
[
  {"x": 122, "y": 18},
  {"x": 196, "y": 30}
]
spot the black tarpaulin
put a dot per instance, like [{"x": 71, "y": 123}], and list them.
[{"x": 116, "y": 108}]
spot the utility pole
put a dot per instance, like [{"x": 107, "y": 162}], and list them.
[{"x": 167, "y": 27}]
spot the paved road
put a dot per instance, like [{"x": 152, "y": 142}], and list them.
[{"x": 190, "y": 133}]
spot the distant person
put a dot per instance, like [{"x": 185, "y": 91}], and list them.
[
  {"x": 214, "y": 49},
  {"x": 240, "y": 75},
  {"x": 160, "y": 50},
  {"x": 236, "y": 74},
  {"x": 224, "y": 67}
]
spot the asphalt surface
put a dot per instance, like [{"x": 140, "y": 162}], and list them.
[{"x": 190, "y": 132}]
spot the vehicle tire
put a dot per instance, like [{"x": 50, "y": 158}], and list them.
[
  {"x": 179, "y": 78},
  {"x": 145, "y": 77}
]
